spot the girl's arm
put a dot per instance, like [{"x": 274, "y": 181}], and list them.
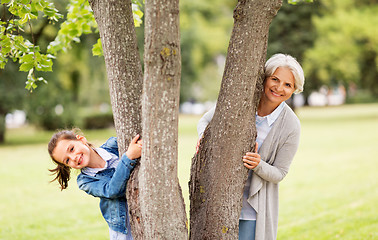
[
  {"x": 104, "y": 186},
  {"x": 113, "y": 186}
]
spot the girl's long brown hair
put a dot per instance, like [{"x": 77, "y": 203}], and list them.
[{"x": 62, "y": 171}]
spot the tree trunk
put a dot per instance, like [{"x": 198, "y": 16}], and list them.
[
  {"x": 217, "y": 174},
  {"x": 117, "y": 32},
  {"x": 160, "y": 196}
]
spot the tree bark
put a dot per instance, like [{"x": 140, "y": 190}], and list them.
[
  {"x": 124, "y": 71},
  {"x": 217, "y": 174},
  {"x": 161, "y": 202}
]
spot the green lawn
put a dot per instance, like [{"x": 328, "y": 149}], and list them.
[{"x": 331, "y": 191}]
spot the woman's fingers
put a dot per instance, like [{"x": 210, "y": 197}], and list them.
[
  {"x": 251, "y": 159},
  {"x": 249, "y": 164},
  {"x": 251, "y": 154}
]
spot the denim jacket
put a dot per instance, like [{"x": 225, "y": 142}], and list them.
[{"x": 110, "y": 186}]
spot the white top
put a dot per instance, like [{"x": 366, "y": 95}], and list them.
[
  {"x": 263, "y": 126},
  {"x": 111, "y": 161}
]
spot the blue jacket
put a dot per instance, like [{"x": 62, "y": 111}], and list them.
[{"x": 110, "y": 186}]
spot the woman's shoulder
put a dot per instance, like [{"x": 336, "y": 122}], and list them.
[{"x": 291, "y": 118}]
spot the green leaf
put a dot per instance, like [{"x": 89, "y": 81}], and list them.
[
  {"x": 294, "y": 2},
  {"x": 97, "y": 48},
  {"x": 25, "y": 67},
  {"x": 27, "y": 58}
]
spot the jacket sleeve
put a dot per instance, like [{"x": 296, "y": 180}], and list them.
[
  {"x": 283, "y": 158},
  {"x": 111, "y": 145},
  {"x": 204, "y": 121},
  {"x": 106, "y": 187}
]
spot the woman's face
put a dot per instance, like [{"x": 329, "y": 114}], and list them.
[
  {"x": 72, "y": 153},
  {"x": 280, "y": 86}
]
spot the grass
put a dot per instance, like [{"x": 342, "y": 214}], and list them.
[{"x": 331, "y": 191}]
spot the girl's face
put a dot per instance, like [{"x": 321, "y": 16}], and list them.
[
  {"x": 72, "y": 153},
  {"x": 280, "y": 86}
]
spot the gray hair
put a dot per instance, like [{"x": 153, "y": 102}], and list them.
[{"x": 284, "y": 60}]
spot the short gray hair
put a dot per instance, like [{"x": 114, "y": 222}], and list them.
[{"x": 284, "y": 60}]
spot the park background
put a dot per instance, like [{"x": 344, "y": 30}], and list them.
[{"x": 331, "y": 191}]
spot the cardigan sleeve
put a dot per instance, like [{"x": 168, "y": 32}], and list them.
[
  {"x": 277, "y": 171},
  {"x": 204, "y": 121}
]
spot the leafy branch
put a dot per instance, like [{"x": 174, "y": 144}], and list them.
[{"x": 13, "y": 45}]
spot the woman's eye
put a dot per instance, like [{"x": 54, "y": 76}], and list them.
[
  {"x": 288, "y": 85},
  {"x": 67, "y": 160},
  {"x": 71, "y": 149}
]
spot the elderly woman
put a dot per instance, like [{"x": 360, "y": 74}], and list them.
[{"x": 278, "y": 131}]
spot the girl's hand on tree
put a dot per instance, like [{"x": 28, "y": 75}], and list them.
[
  {"x": 251, "y": 160},
  {"x": 135, "y": 148}
]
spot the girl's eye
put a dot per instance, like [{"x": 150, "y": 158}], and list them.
[
  {"x": 288, "y": 84},
  {"x": 67, "y": 160},
  {"x": 71, "y": 149}
]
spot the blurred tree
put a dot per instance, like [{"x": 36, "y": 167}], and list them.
[
  {"x": 12, "y": 94},
  {"x": 13, "y": 42},
  {"x": 346, "y": 46},
  {"x": 292, "y": 32},
  {"x": 205, "y": 29},
  {"x": 52, "y": 107},
  {"x": 205, "y": 34}
]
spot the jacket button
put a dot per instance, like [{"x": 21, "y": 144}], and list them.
[{"x": 132, "y": 164}]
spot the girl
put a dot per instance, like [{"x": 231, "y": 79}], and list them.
[
  {"x": 278, "y": 131},
  {"x": 103, "y": 174}
]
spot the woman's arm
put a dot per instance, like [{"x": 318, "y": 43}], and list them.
[
  {"x": 284, "y": 156},
  {"x": 103, "y": 186},
  {"x": 204, "y": 121}
]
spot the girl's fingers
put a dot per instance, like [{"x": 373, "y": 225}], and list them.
[
  {"x": 135, "y": 139},
  {"x": 256, "y": 147}
]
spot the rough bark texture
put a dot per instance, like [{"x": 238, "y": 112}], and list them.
[
  {"x": 161, "y": 203},
  {"x": 124, "y": 71},
  {"x": 218, "y": 175}
]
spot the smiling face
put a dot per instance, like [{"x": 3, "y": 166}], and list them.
[
  {"x": 279, "y": 87},
  {"x": 72, "y": 153}
]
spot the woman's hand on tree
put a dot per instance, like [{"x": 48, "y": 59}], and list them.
[{"x": 252, "y": 159}]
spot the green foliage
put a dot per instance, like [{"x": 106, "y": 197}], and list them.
[
  {"x": 292, "y": 32},
  {"x": 80, "y": 20},
  {"x": 99, "y": 120},
  {"x": 11, "y": 89},
  {"x": 346, "y": 47},
  {"x": 298, "y": 1},
  {"x": 97, "y": 49},
  {"x": 55, "y": 110},
  {"x": 17, "y": 20},
  {"x": 205, "y": 32}
]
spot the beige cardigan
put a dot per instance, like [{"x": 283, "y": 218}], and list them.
[{"x": 277, "y": 153}]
